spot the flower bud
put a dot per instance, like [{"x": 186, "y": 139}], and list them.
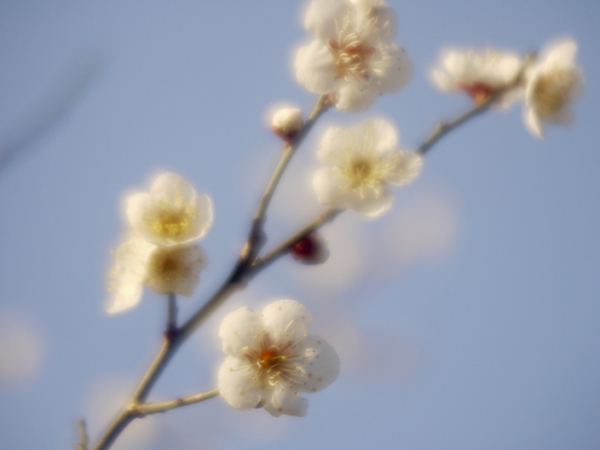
[
  {"x": 311, "y": 249},
  {"x": 287, "y": 123}
]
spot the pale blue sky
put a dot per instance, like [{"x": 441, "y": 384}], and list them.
[{"x": 467, "y": 318}]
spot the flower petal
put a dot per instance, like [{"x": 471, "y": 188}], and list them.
[
  {"x": 355, "y": 96},
  {"x": 286, "y": 320},
  {"x": 327, "y": 188},
  {"x": 204, "y": 219},
  {"x": 315, "y": 68},
  {"x": 283, "y": 399},
  {"x": 533, "y": 123},
  {"x": 369, "y": 203},
  {"x": 378, "y": 22},
  {"x": 238, "y": 385},
  {"x": 321, "y": 364},
  {"x": 171, "y": 185},
  {"x": 333, "y": 139},
  {"x": 393, "y": 69},
  {"x": 561, "y": 51},
  {"x": 238, "y": 331},
  {"x": 127, "y": 274},
  {"x": 322, "y": 17},
  {"x": 381, "y": 134},
  {"x": 408, "y": 168}
]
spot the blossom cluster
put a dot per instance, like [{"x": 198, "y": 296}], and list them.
[
  {"x": 548, "y": 87},
  {"x": 160, "y": 249}
]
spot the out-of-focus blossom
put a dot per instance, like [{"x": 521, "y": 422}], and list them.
[
  {"x": 553, "y": 84},
  {"x": 360, "y": 162},
  {"x": 352, "y": 56},
  {"x": 174, "y": 269},
  {"x": 272, "y": 359},
  {"x": 287, "y": 123},
  {"x": 171, "y": 213},
  {"x": 479, "y": 74}
]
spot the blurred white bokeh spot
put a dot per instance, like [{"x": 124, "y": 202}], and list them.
[
  {"x": 420, "y": 230},
  {"x": 22, "y": 347}
]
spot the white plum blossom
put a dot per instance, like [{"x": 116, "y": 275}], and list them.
[
  {"x": 360, "y": 162},
  {"x": 272, "y": 359},
  {"x": 352, "y": 56},
  {"x": 553, "y": 84},
  {"x": 478, "y": 73},
  {"x": 174, "y": 269},
  {"x": 171, "y": 213}
]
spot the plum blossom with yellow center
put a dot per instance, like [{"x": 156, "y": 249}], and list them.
[
  {"x": 272, "y": 360},
  {"x": 360, "y": 164},
  {"x": 352, "y": 56},
  {"x": 174, "y": 269},
  {"x": 172, "y": 213},
  {"x": 477, "y": 73},
  {"x": 553, "y": 84}
]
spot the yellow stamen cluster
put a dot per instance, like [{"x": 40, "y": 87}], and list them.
[
  {"x": 274, "y": 362},
  {"x": 362, "y": 168},
  {"x": 173, "y": 218}
]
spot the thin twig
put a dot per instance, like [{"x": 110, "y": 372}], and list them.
[
  {"x": 256, "y": 238},
  {"x": 172, "y": 313},
  {"x": 159, "y": 407}
]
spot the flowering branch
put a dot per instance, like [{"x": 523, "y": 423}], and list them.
[
  {"x": 349, "y": 69},
  {"x": 256, "y": 238},
  {"x": 444, "y": 128},
  {"x": 239, "y": 276}
]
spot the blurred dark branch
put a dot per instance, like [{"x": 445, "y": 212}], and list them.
[
  {"x": 83, "y": 437},
  {"x": 52, "y": 109}
]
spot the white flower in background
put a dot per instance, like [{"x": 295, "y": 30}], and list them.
[
  {"x": 174, "y": 269},
  {"x": 272, "y": 359},
  {"x": 479, "y": 74},
  {"x": 360, "y": 163},
  {"x": 171, "y": 214},
  {"x": 352, "y": 55},
  {"x": 553, "y": 84}
]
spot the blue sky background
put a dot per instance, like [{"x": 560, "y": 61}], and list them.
[{"x": 466, "y": 318}]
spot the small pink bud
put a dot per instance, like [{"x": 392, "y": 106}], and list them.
[
  {"x": 311, "y": 249},
  {"x": 287, "y": 123}
]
